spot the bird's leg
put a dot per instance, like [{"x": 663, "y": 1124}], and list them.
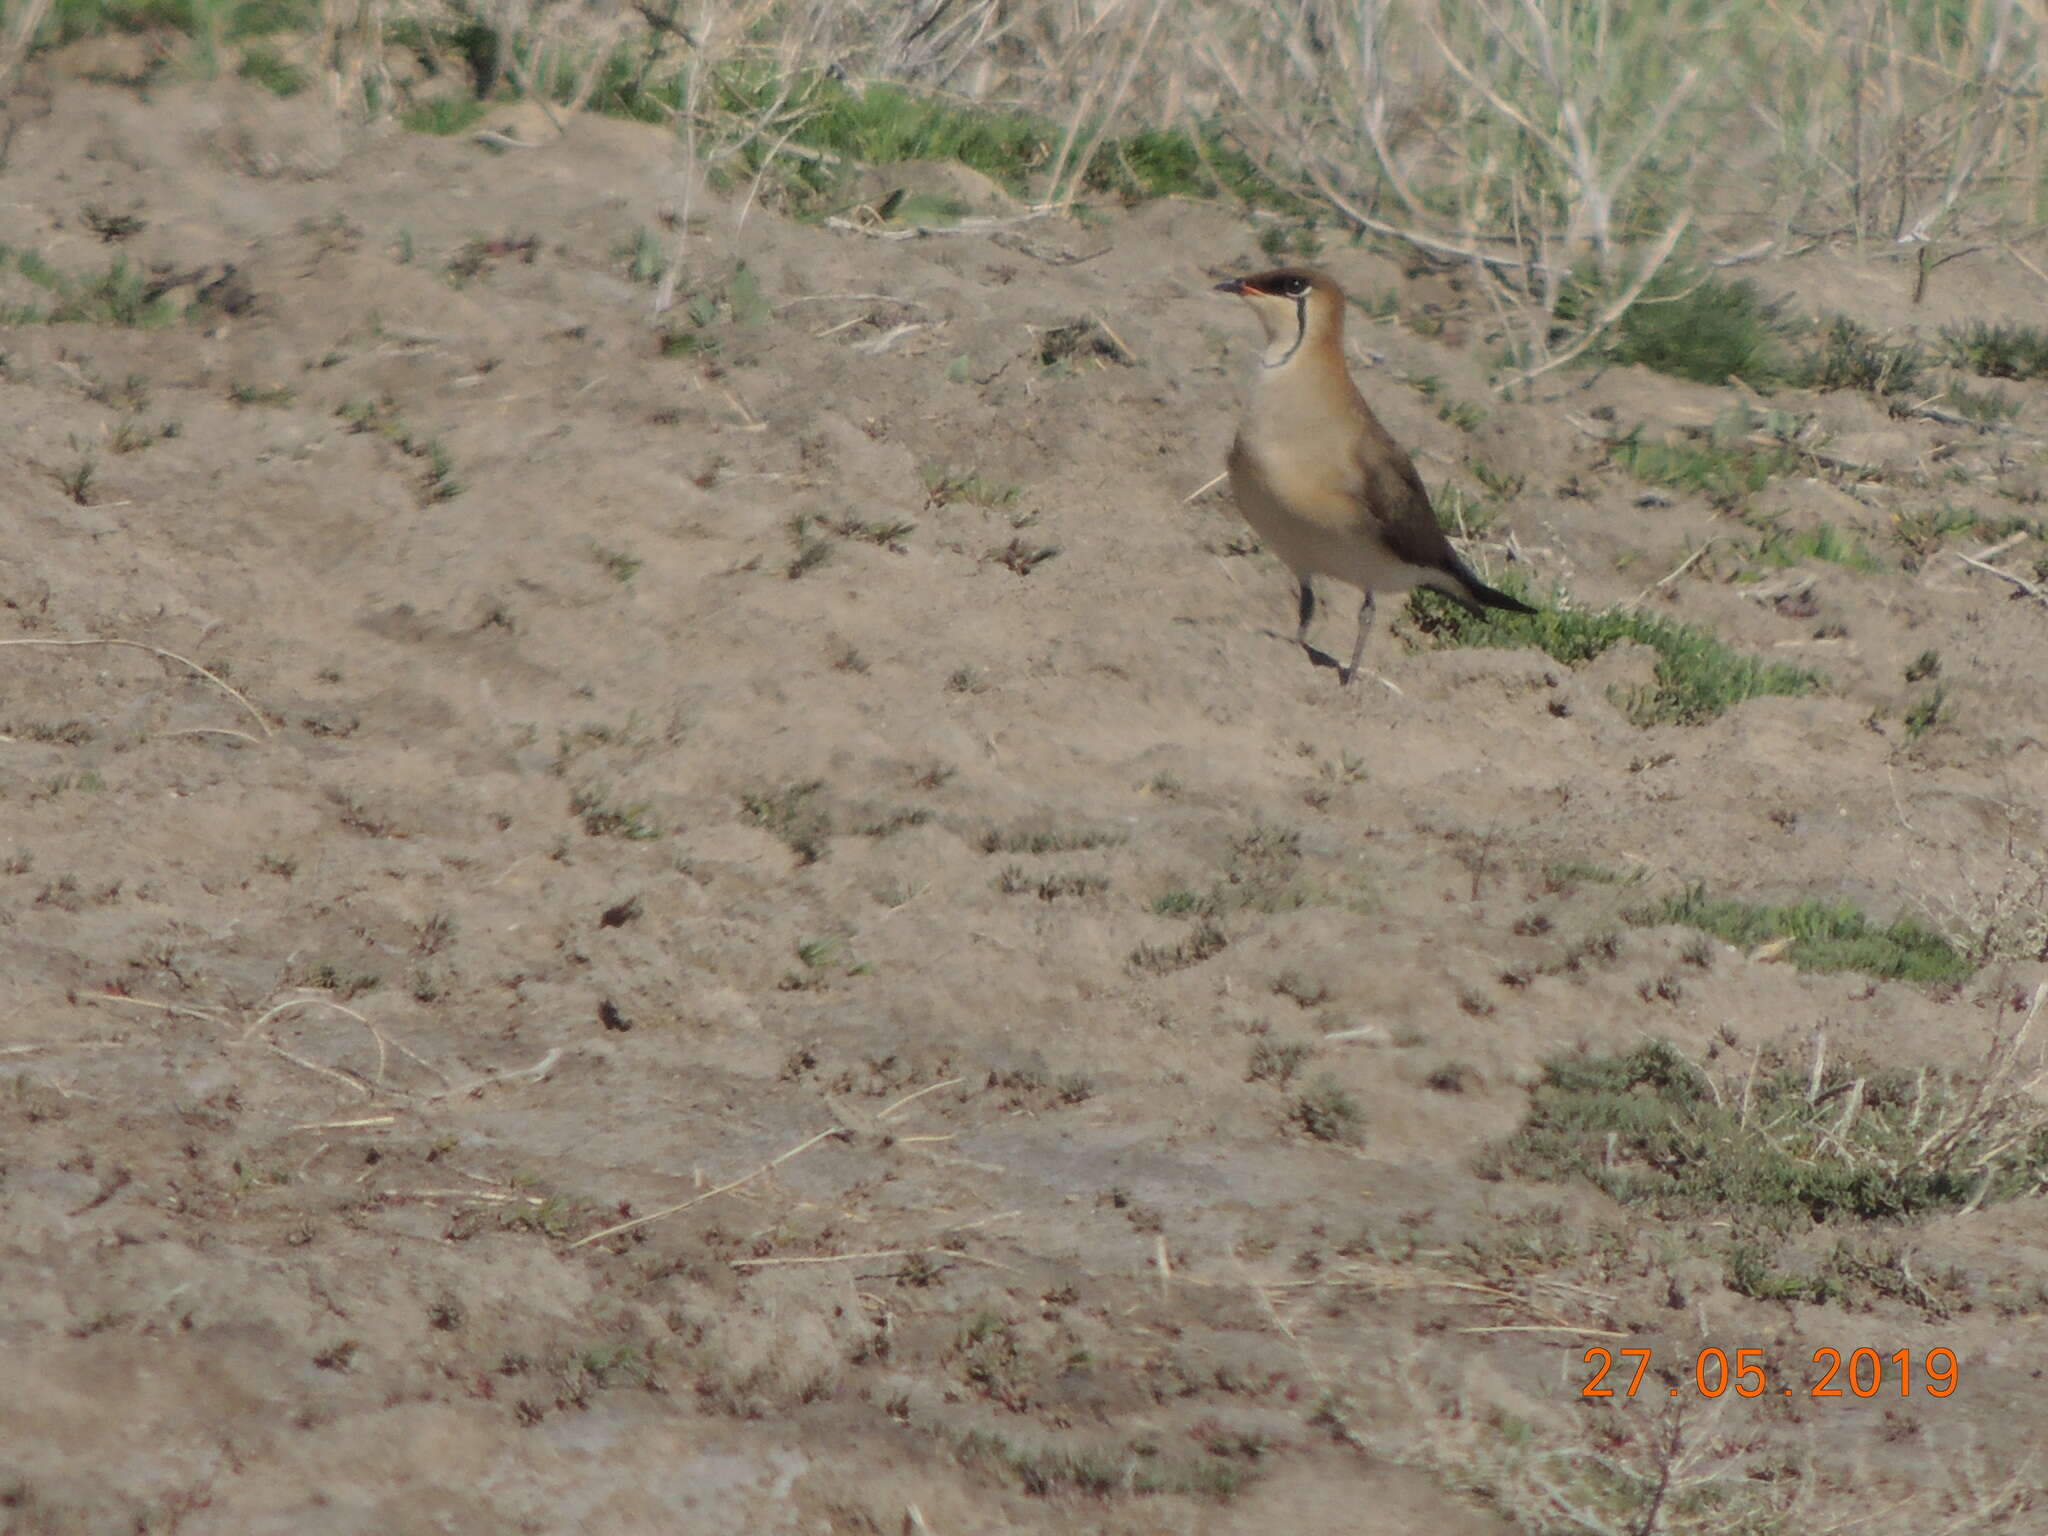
[
  {"x": 1308, "y": 611},
  {"x": 1358, "y": 645}
]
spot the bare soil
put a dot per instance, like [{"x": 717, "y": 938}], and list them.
[{"x": 560, "y": 840}]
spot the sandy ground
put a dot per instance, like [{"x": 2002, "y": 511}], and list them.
[{"x": 560, "y": 840}]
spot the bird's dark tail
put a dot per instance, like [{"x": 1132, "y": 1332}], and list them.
[{"x": 1475, "y": 596}]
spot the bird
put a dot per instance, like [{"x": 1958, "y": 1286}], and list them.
[{"x": 1320, "y": 480}]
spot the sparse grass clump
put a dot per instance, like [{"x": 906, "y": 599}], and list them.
[
  {"x": 1698, "y": 327},
  {"x": 444, "y": 115},
  {"x": 944, "y": 486},
  {"x": 270, "y": 69},
  {"x": 1727, "y": 474},
  {"x": 1824, "y": 541},
  {"x": 1014, "y": 881},
  {"x": 883, "y": 535},
  {"x": 1989, "y": 407},
  {"x": 1328, "y": 1113},
  {"x": 1044, "y": 839},
  {"x": 262, "y": 394},
  {"x": 1846, "y": 1141},
  {"x": 1850, "y": 356},
  {"x": 1825, "y": 936},
  {"x": 1697, "y": 677},
  {"x": 1926, "y": 712},
  {"x": 1207, "y": 941},
  {"x": 2007, "y": 351},
  {"x": 810, "y": 550},
  {"x": 380, "y": 418},
  {"x": 601, "y": 817},
  {"x": 1276, "y": 1061},
  {"x": 796, "y": 813},
  {"x": 1922, "y": 532},
  {"x": 1048, "y": 1472},
  {"x": 120, "y": 296}
]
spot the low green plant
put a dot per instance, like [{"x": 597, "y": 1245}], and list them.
[
  {"x": 1785, "y": 1145},
  {"x": 270, "y": 69},
  {"x": 1988, "y": 407},
  {"x": 944, "y": 486},
  {"x": 1206, "y": 941},
  {"x": 1851, "y": 356},
  {"x": 1697, "y": 677},
  {"x": 1047, "y": 839},
  {"x": 1329, "y": 1113},
  {"x": 1696, "y": 326},
  {"x": 119, "y": 296},
  {"x": 2003, "y": 351},
  {"x": 1726, "y": 473},
  {"x": 602, "y": 817},
  {"x": 443, "y": 115},
  {"x": 1825, "y": 936},
  {"x": 262, "y": 394},
  {"x": 794, "y": 812},
  {"x": 1824, "y": 541},
  {"x": 1926, "y": 712}
]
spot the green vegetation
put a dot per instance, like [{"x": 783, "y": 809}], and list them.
[
  {"x": 1826, "y": 936},
  {"x": 1698, "y": 327},
  {"x": 209, "y": 22},
  {"x": 843, "y": 128},
  {"x": 1986, "y": 407},
  {"x": 621, "y": 565},
  {"x": 1276, "y": 1062},
  {"x": 1726, "y": 473},
  {"x": 1043, "y": 839},
  {"x": 602, "y": 818},
  {"x": 2008, "y": 351},
  {"x": 1926, "y": 712},
  {"x": 119, "y": 296},
  {"x": 1207, "y": 940},
  {"x": 796, "y": 814},
  {"x": 809, "y": 551},
  {"x": 1922, "y": 531},
  {"x": 1824, "y": 541},
  {"x": 444, "y": 115},
  {"x": 1850, "y": 357},
  {"x": 1261, "y": 874},
  {"x": 1015, "y": 881},
  {"x": 271, "y": 70},
  {"x": 1108, "y": 1470},
  {"x": 1697, "y": 677},
  {"x": 262, "y": 394},
  {"x": 1328, "y": 1113},
  {"x": 380, "y": 418},
  {"x": 1788, "y": 1145},
  {"x": 944, "y": 486},
  {"x": 1715, "y": 331}
]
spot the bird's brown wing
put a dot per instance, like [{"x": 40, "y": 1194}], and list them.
[{"x": 1394, "y": 494}]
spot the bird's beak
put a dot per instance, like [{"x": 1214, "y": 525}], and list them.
[{"x": 1235, "y": 287}]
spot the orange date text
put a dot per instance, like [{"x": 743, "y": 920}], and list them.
[{"x": 1714, "y": 1371}]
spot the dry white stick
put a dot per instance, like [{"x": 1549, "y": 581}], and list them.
[
  {"x": 1677, "y": 571},
  {"x": 157, "y": 650},
  {"x": 710, "y": 1194},
  {"x": 1982, "y": 561},
  {"x": 534, "y": 1073},
  {"x": 918, "y": 1094}
]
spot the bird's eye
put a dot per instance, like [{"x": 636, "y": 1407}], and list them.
[{"x": 1294, "y": 287}]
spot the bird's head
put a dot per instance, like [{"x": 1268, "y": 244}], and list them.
[{"x": 1297, "y": 306}]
